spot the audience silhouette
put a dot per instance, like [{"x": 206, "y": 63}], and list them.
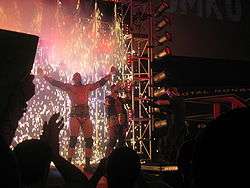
[
  {"x": 216, "y": 158},
  {"x": 33, "y": 157},
  {"x": 16, "y": 85},
  {"x": 220, "y": 155}
]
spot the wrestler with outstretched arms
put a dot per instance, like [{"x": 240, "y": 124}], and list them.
[{"x": 79, "y": 116}]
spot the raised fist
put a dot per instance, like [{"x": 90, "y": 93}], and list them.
[
  {"x": 113, "y": 70},
  {"x": 40, "y": 71}
]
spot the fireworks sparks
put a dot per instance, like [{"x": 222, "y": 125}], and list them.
[{"x": 68, "y": 44}]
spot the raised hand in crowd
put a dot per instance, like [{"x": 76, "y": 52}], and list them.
[
  {"x": 51, "y": 132},
  {"x": 70, "y": 173},
  {"x": 100, "y": 171}
]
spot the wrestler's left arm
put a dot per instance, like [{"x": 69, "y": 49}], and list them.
[{"x": 101, "y": 82}]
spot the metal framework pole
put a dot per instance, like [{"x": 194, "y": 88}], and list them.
[{"x": 139, "y": 49}]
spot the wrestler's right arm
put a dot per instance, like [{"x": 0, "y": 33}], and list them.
[{"x": 53, "y": 82}]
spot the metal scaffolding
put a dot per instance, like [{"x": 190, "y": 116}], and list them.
[{"x": 138, "y": 70}]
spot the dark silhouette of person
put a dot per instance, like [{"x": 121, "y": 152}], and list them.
[
  {"x": 11, "y": 113},
  {"x": 17, "y": 52},
  {"x": 33, "y": 157},
  {"x": 220, "y": 154},
  {"x": 9, "y": 171},
  {"x": 122, "y": 169},
  {"x": 15, "y": 107},
  {"x": 117, "y": 122},
  {"x": 71, "y": 175},
  {"x": 184, "y": 161}
]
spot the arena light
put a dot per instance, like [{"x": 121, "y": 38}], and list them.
[
  {"x": 162, "y": 102},
  {"x": 160, "y": 168},
  {"x": 160, "y": 77},
  {"x": 167, "y": 37},
  {"x": 156, "y": 110},
  {"x": 161, "y": 8},
  {"x": 160, "y": 124},
  {"x": 163, "y": 23},
  {"x": 160, "y": 92},
  {"x": 165, "y": 52},
  {"x": 159, "y": 105},
  {"x": 160, "y": 111}
]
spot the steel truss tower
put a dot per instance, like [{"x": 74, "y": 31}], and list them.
[{"x": 138, "y": 71}]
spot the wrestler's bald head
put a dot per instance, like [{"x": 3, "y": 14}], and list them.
[{"x": 77, "y": 78}]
